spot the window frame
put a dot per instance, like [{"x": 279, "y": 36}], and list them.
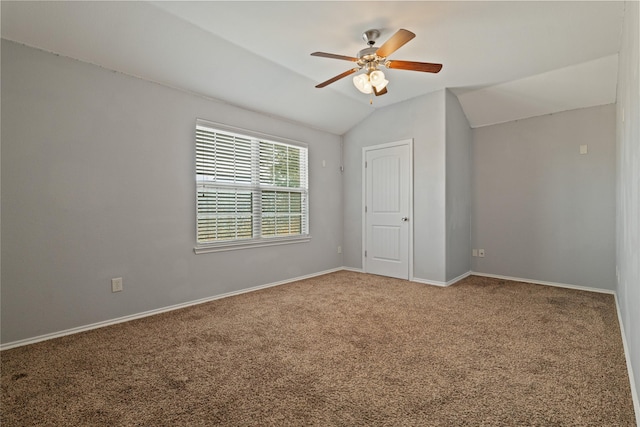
[{"x": 256, "y": 189}]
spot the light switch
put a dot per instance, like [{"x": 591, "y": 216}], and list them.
[{"x": 584, "y": 149}]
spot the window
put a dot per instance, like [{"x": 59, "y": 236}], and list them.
[{"x": 250, "y": 189}]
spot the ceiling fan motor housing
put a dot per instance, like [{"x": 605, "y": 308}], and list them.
[
  {"x": 368, "y": 54},
  {"x": 367, "y": 57}
]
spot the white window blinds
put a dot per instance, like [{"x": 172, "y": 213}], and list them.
[{"x": 248, "y": 189}]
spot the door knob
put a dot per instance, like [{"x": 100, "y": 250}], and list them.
[{"x": 405, "y": 218}]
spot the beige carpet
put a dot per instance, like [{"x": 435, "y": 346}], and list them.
[{"x": 341, "y": 349}]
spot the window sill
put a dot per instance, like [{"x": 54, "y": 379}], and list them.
[{"x": 233, "y": 246}]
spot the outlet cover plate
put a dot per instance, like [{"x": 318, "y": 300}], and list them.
[{"x": 116, "y": 284}]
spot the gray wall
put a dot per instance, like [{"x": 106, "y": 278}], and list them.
[
  {"x": 541, "y": 210},
  {"x": 423, "y": 119},
  {"x": 98, "y": 182},
  {"x": 628, "y": 186},
  {"x": 459, "y": 138}
]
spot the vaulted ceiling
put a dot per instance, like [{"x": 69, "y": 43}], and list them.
[{"x": 504, "y": 60}]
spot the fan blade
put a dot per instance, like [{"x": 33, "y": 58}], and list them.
[
  {"x": 426, "y": 67},
  {"x": 399, "y": 39},
  {"x": 334, "y": 56},
  {"x": 338, "y": 77},
  {"x": 382, "y": 92}
]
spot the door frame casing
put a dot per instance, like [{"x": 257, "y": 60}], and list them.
[{"x": 408, "y": 142}]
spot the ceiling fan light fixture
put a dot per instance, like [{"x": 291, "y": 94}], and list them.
[
  {"x": 381, "y": 85},
  {"x": 362, "y": 83},
  {"x": 377, "y": 79}
]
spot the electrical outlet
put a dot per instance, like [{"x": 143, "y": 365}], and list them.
[
  {"x": 339, "y": 249},
  {"x": 474, "y": 252},
  {"x": 481, "y": 253},
  {"x": 116, "y": 284}
]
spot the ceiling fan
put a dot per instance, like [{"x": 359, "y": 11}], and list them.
[{"x": 370, "y": 58}]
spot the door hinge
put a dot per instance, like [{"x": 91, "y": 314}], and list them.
[
  {"x": 365, "y": 164},
  {"x": 365, "y": 254},
  {"x": 365, "y": 209}
]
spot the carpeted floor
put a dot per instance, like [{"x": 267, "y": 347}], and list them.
[{"x": 340, "y": 349}]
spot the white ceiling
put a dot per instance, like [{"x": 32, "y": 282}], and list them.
[{"x": 504, "y": 60}]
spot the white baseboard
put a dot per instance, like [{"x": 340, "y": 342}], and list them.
[
  {"x": 419, "y": 280},
  {"x": 632, "y": 383},
  {"x": 442, "y": 284},
  {"x": 540, "y": 282},
  {"x": 102, "y": 324},
  {"x": 429, "y": 282}
]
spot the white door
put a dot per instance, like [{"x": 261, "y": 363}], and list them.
[{"x": 387, "y": 200}]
